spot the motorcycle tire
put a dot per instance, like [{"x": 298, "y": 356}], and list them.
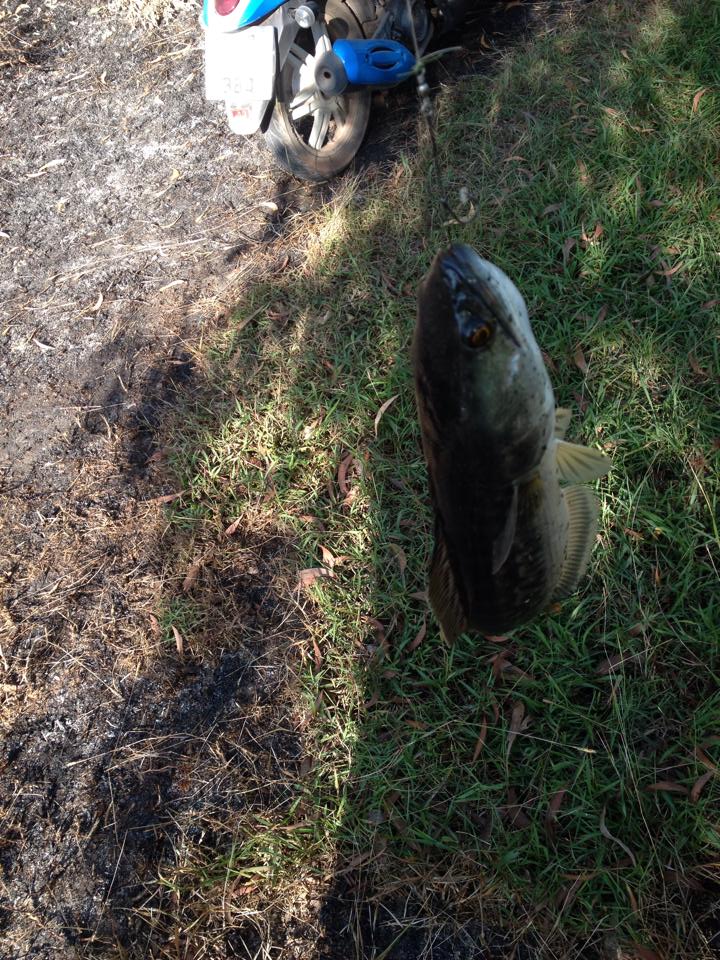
[{"x": 321, "y": 143}]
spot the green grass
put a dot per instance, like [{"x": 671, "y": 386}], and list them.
[{"x": 598, "y": 123}]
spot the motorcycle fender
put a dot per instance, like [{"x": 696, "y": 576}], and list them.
[{"x": 246, "y": 118}]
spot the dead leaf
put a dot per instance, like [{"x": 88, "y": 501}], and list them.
[
  {"x": 518, "y": 723},
  {"x": 705, "y": 759},
  {"x": 656, "y": 203},
  {"x": 696, "y": 368},
  {"x": 242, "y": 889},
  {"x": 229, "y": 531},
  {"x": 634, "y": 535},
  {"x": 318, "y": 653},
  {"x": 643, "y": 953},
  {"x": 399, "y": 556},
  {"x": 567, "y": 248},
  {"x": 699, "y": 785},
  {"x": 383, "y": 409},
  {"x": 552, "y": 208},
  {"x": 667, "y": 786},
  {"x": 306, "y": 765},
  {"x": 343, "y": 469},
  {"x": 481, "y": 739},
  {"x": 697, "y": 98},
  {"x": 602, "y": 313},
  {"x": 308, "y": 577},
  {"x": 552, "y": 812},
  {"x": 609, "y": 836},
  {"x": 179, "y": 642},
  {"x": 709, "y": 304},
  {"x": 419, "y": 637},
  {"x": 155, "y": 625},
  {"x": 581, "y": 401},
  {"x": 670, "y": 271},
  {"x": 191, "y": 575},
  {"x": 417, "y": 724},
  {"x": 515, "y": 813},
  {"x": 167, "y": 498},
  {"x": 607, "y": 666},
  {"x": 593, "y": 237},
  {"x": 579, "y": 360},
  {"x": 549, "y": 362}
]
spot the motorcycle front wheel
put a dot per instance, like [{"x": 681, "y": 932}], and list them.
[{"x": 310, "y": 135}]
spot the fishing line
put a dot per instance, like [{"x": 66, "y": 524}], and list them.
[{"x": 427, "y": 111}]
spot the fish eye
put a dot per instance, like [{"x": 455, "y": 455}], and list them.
[{"x": 480, "y": 337}]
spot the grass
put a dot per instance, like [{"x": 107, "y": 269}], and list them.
[{"x": 592, "y": 158}]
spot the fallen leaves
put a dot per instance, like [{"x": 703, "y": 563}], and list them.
[
  {"x": 667, "y": 786},
  {"x": 230, "y": 530},
  {"x": 609, "y": 836},
  {"x": 480, "y": 743},
  {"x": 580, "y": 361},
  {"x": 179, "y": 641},
  {"x": 192, "y": 574},
  {"x": 553, "y": 809},
  {"x": 699, "y": 785},
  {"x": 349, "y": 466},
  {"x": 567, "y": 250},
  {"x": 306, "y": 578},
  {"x": 383, "y": 410},
  {"x": 697, "y": 98},
  {"x": 167, "y": 497},
  {"x": 518, "y": 724},
  {"x": 419, "y": 637}
]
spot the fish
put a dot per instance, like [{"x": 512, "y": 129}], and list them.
[{"x": 514, "y": 525}]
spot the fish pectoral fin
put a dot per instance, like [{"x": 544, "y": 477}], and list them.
[
  {"x": 443, "y": 593},
  {"x": 582, "y": 510},
  {"x": 577, "y": 464},
  {"x": 562, "y": 422},
  {"x": 504, "y": 541}
]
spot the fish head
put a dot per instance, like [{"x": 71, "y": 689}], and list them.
[{"x": 480, "y": 375}]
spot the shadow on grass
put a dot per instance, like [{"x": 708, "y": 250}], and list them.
[{"x": 322, "y": 737}]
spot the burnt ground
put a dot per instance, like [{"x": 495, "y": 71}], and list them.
[{"x": 129, "y": 222}]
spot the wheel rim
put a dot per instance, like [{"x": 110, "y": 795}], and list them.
[{"x": 317, "y": 119}]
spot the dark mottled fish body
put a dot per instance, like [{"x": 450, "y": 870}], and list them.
[{"x": 508, "y": 537}]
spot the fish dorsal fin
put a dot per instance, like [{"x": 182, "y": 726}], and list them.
[
  {"x": 562, "y": 422},
  {"x": 504, "y": 540},
  {"x": 577, "y": 464},
  {"x": 582, "y": 510},
  {"x": 442, "y": 591}
]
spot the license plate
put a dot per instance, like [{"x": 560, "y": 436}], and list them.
[{"x": 240, "y": 67}]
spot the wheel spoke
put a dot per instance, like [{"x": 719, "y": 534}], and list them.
[
  {"x": 304, "y": 103},
  {"x": 297, "y": 56},
  {"x": 319, "y": 130},
  {"x": 339, "y": 110}
]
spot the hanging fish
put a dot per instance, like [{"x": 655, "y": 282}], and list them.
[{"x": 509, "y": 538}]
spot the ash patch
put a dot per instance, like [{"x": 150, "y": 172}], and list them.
[{"x": 106, "y": 773}]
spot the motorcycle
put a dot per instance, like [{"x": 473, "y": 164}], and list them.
[{"x": 302, "y": 71}]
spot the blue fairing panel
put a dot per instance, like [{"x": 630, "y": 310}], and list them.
[
  {"x": 244, "y": 15},
  {"x": 257, "y": 10}
]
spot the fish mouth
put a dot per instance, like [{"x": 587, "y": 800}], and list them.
[{"x": 470, "y": 293}]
